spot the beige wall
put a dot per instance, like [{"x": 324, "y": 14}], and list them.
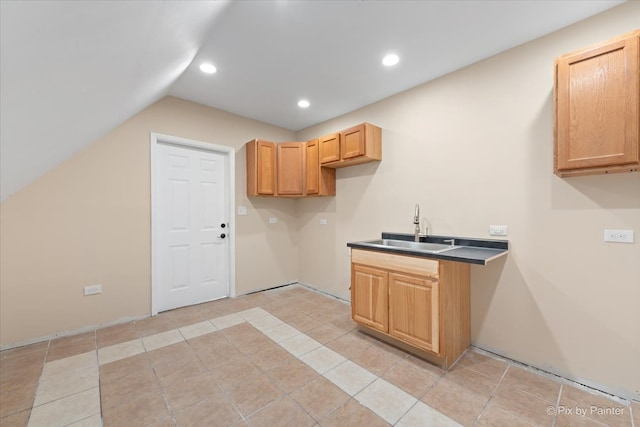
[
  {"x": 474, "y": 148},
  {"x": 88, "y": 222}
]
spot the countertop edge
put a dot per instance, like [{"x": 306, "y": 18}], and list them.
[{"x": 501, "y": 246}]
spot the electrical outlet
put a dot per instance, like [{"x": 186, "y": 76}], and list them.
[
  {"x": 273, "y": 220},
  {"x": 242, "y": 210},
  {"x": 323, "y": 221},
  {"x": 92, "y": 290},
  {"x": 498, "y": 230},
  {"x": 618, "y": 236}
]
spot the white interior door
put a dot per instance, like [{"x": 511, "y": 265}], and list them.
[{"x": 192, "y": 234}]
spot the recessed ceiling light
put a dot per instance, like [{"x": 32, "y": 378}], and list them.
[
  {"x": 390, "y": 59},
  {"x": 207, "y": 68},
  {"x": 303, "y": 103}
]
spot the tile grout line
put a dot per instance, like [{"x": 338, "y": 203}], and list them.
[
  {"x": 555, "y": 412},
  {"x": 251, "y": 319},
  {"x": 475, "y": 421},
  {"x": 377, "y": 378},
  {"x": 245, "y": 320}
]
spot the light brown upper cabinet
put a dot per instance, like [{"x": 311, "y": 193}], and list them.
[
  {"x": 597, "y": 108},
  {"x": 319, "y": 181},
  {"x": 330, "y": 148},
  {"x": 290, "y": 168},
  {"x": 307, "y": 169},
  {"x": 261, "y": 168},
  {"x": 359, "y": 144}
]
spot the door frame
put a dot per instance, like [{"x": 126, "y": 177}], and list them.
[{"x": 229, "y": 154}]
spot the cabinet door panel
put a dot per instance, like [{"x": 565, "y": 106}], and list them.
[
  {"x": 370, "y": 297},
  {"x": 290, "y": 168},
  {"x": 266, "y": 164},
  {"x": 414, "y": 311},
  {"x": 313, "y": 167},
  {"x": 330, "y": 148},
  {"x": 597, "y": 107},
  {"x": 353, "y": 142}
]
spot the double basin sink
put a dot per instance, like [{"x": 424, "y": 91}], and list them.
[
  {"x": 464, "y": 249},
  {"x": 430, "y": 248}
]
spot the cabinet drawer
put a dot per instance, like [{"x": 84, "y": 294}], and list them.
[{"x": 401, "y": 263}]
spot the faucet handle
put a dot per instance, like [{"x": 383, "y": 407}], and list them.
[{"x": 452, "y": 242}]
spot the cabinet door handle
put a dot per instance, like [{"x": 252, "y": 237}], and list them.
[{"x": 222, "y": 236}]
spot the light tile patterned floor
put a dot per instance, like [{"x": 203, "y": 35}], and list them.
[{"x": 284, "y": 357}]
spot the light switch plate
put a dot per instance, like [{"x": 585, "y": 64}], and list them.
[{"x": 273, "y": 220}]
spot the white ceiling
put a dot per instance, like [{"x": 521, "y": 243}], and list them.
[{"x": 70, "y": 71}]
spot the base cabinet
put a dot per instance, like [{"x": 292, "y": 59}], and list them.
[
  {"x": 419, "y": 304},
  {"x": 414, "y": 310},
  {"x": 370, "y": 291}
]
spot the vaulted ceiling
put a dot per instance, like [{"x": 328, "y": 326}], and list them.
[{"x": 70, "y": 71}]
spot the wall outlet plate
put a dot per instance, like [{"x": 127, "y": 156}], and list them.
[
  {"x": 92, "y": 290},
  {"x": 498, "y": 230},
  {"x": 242, "y": 210},
  {"x": 618, "y": 236},
  {"x": 323, "y": 221},
  {"x": 273, "y": 220}
]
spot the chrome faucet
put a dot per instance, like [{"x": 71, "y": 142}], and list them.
[{"x": 416, "y": 222}]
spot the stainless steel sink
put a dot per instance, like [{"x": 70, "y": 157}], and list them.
[{"x": 432, "y": 248}]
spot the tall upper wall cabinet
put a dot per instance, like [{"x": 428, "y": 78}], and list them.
[
  {"x": 319, "y": 181},
  {"x": 597, "y": 108},
  {"x": 261, "y": 168},
  {"x": 306, "y": 169},
  {"x": 290, "y": 168},
  {"x": 276, "y": 169}
]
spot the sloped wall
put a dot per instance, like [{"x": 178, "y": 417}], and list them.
[{"x": 88, "y": 221}]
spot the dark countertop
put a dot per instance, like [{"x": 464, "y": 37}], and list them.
[{"x": 469, "y": 250}]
